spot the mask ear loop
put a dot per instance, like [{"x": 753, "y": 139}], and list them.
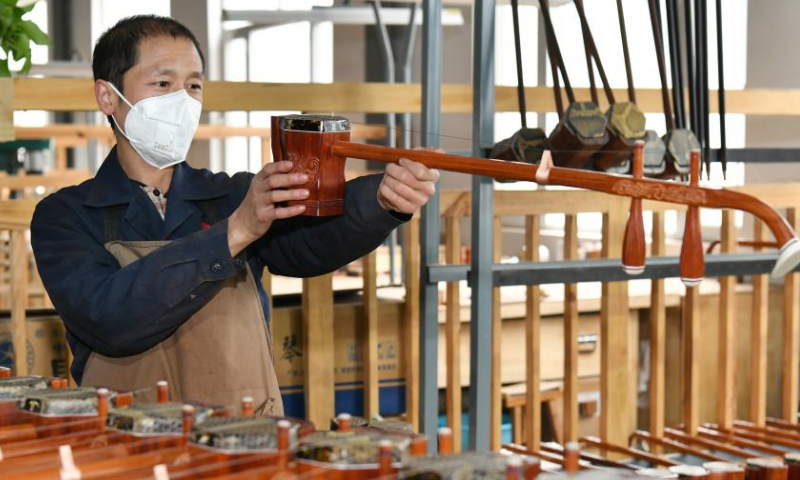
[{"x": 120, "y": 95}]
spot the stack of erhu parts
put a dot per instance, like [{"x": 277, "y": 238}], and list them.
[{"x": 49, "y": 431}]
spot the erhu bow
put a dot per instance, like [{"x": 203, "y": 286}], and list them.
[
  {"x": 581, "y": 130},
  {"x": 626, "y": 123},
  {"x": 527, "y": 144},
  {"x": 679, "y": 141},
  {"x": 319, "y": 145}
]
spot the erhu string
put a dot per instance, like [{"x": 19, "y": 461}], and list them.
[{"x": 464, "y": 139}]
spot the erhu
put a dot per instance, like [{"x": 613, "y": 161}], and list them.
[{"x": 319, "y": 146}]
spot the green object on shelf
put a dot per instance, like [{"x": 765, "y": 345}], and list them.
[{"x": 9, "y": 153}]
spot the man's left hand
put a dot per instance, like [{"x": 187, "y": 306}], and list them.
[{"x": 407, "y": 186}]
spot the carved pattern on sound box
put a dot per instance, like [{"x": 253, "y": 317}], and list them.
[{"x": 303, "y": 164}]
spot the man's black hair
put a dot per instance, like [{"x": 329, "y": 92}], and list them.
[{"x": 117, "y": 50}]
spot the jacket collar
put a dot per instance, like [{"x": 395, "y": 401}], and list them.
[{"x": 111, "y": 186}]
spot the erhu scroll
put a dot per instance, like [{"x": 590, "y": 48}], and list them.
[{"x": 319, "y": 145}]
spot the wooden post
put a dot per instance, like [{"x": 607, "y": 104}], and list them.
[
  {"x": 6, "y": 109},
  {"x": 658, "y": 335},
  {"x": 411, "y": 320},
  {"x": 497, "y": 342},
  {"x": 689, "y": 355},
  {"x": 18, "y": 254},
  {"x": 726, "y": 409},
  {"x": 614, "y": 336},
  {"x": 319, "y": 349},
  {"x": 570, "y": 335},
  {"x": 791, "y": 334},
  {"x": 533, "y": 321},
  {"x": 371, "y": 384},
  {"x": 453, "y": 331},
  {"x": 758, "y": 341}
]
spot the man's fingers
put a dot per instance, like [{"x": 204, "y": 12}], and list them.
[
  {"x": 277, "y": 196},
  {"x": 288, "y": 212},
  {"x": 405, "y": 192},
  {"x": 420, "y": 171},
  {"x": 395, "y": 201},
  {"x": 283, "y": 180},
  {"x": 272, "y": 168},
  {"x": 403, "y": 175}
]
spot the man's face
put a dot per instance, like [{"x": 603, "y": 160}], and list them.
[{"x": 165, "y": 65}]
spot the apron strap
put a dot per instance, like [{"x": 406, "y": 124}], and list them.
[{"x": 112, "y": 216}]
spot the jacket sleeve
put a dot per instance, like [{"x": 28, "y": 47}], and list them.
[
  {"x": 308, "y": 246},
  {"x": 123, "y": 311}
]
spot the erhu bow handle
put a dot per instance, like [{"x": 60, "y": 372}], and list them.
[
  {"x": 692, "y": 263},
  {"x": 633, "y": 244}
]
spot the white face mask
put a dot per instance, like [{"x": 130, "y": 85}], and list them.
[{"x": 161, "y": 128}]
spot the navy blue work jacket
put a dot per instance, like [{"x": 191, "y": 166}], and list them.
[{"x": 124, "y": 311}]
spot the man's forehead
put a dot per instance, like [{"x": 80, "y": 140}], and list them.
[{"x": 166, "y": 54}]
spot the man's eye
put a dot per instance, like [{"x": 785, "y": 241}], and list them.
[
  {"x": 196, "y": 86},
  {"x": 163, "y": 84}
]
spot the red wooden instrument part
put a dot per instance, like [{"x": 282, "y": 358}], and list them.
[
  {"x": 162, "y": 391},
  {"x": 102, "y": 408},
  {"x": 533, "y": 467},
  {"x": 766, "y": 469},
  {"x": 419, "y": 446},
  {"x": 445, "y": 441},
  {"x": 307, "y": 148},
  {"x": 5, "y": 372},
  {"x": 689, "y": 472},
  {"x": 634, "y": 246},
  {"x": 572, "y": 455},
  {"x": 384, "y": 458},
  {"x": 793, "y": 464},
  {"x": 692, "y": 263},
  {"x": 248, "y": 409},
  {"x": 724, "y": 470},
  {"x": 305, "y": 140},
  {"x": 514, "y": 469},
  {"x": 344, "y": 421}
]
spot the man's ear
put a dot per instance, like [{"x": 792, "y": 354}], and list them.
[{"x": 104, "y": 96}]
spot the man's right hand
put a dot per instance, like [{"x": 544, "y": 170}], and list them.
[{"x": 253, "y": 218}]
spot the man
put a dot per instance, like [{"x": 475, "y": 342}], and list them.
[{"x": 155, "y": 266}]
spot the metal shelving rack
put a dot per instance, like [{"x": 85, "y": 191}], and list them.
[{"x": 482, "y": 274}]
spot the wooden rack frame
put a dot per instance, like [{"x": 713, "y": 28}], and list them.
[{"x": 76, "y": 95}]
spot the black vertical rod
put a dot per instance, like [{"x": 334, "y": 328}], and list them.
[
  {"x": 701, "y": 8},
  {"x": 592, "y": 50},
  {"x": 658, "y": 40},
  {"x": 690, "y": 65},
  {"x": 589, "y": 68},
  {"x": 723, "y": 143},
  {"x": 705, "y": 89},
  {"x": 520, "y": 81},
  {"x": 552, "y": 43},
  {"x": 626, "y": 52},
  {"x": 675, "y": 63}
]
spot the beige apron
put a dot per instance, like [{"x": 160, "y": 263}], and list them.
[{"x": 222, "y": 353}]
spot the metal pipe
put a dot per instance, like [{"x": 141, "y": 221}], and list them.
[
  {"x": 387, "y": 57},
  {"x": 482, "y": 228},
  {"x": 429, "y": 223}
]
